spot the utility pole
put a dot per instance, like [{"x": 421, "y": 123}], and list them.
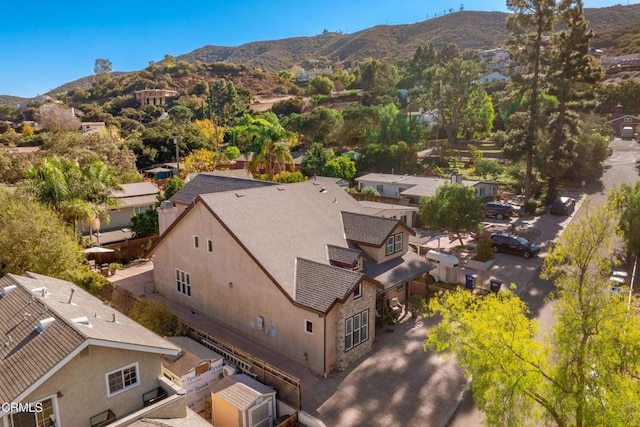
[{"x": 176, "y": 136}]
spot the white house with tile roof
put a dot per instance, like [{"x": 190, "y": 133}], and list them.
[
  {"x": 78, "y": 361},
  {"x": 286, "y": 265}
]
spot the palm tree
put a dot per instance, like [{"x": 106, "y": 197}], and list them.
[
  {"x": 75, "y": 193},
  {"x": 270, "y": 152}
]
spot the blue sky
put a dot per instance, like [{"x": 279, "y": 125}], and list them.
[{"x": 46, "y": 44}]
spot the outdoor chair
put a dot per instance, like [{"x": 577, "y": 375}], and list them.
[{"x": 395, "y": 306}]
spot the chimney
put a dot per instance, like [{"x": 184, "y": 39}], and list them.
[
  {"x": 456, "y": 178},
  {"x": 617, "y": 112}
]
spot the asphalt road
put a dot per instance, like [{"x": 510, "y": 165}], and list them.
[{"x": 622, "y": 167}]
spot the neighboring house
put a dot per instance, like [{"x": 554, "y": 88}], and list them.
[
  {"x": 413, "y": 187},
  {"x": 132, "y": 199},
  {"x": 616, "y": 64},
  {"x": 620, "y": 120},
  {"x": 297, "y": 268},
  {"x": 78, "y": 361},
  {"x": 494, "y": 76},
  {"x": 305, "y": 76},
  {"x": 90, "y": 127},
  {"x": 425, "y": 117},
  {"x": 241, "y": 401},
  {"x": 202, "y": 183},
  {"x": 495, "y": 54},
  {"x": 404, "y": 213},
  {"x": 195, "y": 369},
  {"x": 154, "y": 96}
]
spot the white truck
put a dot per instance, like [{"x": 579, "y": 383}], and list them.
[{"x": 627, "y": 132}]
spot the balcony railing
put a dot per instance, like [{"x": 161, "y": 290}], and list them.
[
  {"x": 153, "y": 396},
  {"x": 103, "y": 418}
]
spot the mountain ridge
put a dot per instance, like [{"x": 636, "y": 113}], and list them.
[{"x": 480, "y": 30}]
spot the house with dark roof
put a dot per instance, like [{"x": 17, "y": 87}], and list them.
[
  {"x": 202, "y": 183},
  {"x": 620, "y": 120},
  {"x": 77, "y": 361},
  {"x": 299, "y": 268}
]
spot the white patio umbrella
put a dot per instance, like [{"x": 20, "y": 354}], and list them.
[{"x": 96, "y": 251}]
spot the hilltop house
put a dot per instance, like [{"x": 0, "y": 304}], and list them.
[
  {"x": 78, "y": 361},
  {"x": 297, "y": 268}
]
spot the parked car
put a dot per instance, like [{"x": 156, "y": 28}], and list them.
[
  {"x": 513, "y": 243},
  {"x": 563, "y": 206},
  {"x": 499, "y": 210}
]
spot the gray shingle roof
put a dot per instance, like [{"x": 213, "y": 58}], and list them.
[
  {"x": 367, "y": 229},
  {"x": 29, "y": 355},
  {"x": 341, "y": 255},
  {"x": 205, "y": 184},
  {"x": 319, "y": 285},
  {"x": 278, "y": 224},
  {"x": 398, "y": 270},
  {"x": 136, "y": 189}
]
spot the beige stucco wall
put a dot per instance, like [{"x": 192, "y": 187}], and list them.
[
  {"x": 229, "y": 286},
  {"x": 83, "y": 384},
  {"x": 379, "y": 254},
  {"x": 351, "y": 307}
]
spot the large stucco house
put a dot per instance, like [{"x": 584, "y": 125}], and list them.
[
  {"x": 77, "y": 361},
  {"x": 296, "y": 267}
]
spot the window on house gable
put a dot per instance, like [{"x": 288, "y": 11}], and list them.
[
  {"x": 183, "y": 282},
  {"x": 390, "y": 245},
  {"x": 196, "y": 242},
  {"x": 44, "y": 417},
  {"x": 209, "y": 245},
  {"x": 398, "y": 246},
  {"x": 308, "y": 326},
  {"x": 122, "y": 379},
  {"x": 358, "y": 292}
]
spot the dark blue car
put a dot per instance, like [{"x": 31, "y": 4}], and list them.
[{"x": 512, "y": 243}]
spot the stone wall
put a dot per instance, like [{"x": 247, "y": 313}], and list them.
[{"x": 348, "y": 309}]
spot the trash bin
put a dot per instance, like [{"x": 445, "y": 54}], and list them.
[
  {"x": 494, "y": 285},
  {"x": 470, "y": 281}
]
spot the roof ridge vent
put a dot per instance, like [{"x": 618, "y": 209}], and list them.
[
  {"x": 7, "y": 290},
  {"x": 82, "y": 320},
  {"x": 44, "y": 324},
  {"x": 41, "y": 290}
]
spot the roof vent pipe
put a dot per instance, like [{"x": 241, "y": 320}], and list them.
[
  {"x": 44, "y": 324},
  {"x": 7, "y": 290},
  {"x": 71, "y": 296}
]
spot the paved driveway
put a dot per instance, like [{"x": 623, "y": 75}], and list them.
[{"x": 398, "y": 384}]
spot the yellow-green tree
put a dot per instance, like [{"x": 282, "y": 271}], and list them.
[{"x": 584, "y": 373}]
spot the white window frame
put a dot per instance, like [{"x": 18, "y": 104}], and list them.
[
  {"x": 209, "y": 245},
  {"x": 398, "y": 242},
  {"x": 358, "y": 292},
  {"x": 356, "y": 330},
  {"x": 183, "y": 282},
  {"x": 390, "y": 245},
  {"x": 125, "y": 386},
  {"x": 401, "y": 287},
  {"x": 196, "y": 241},
  {"x": 308, "y": 323},
  {"x": 7, "y": 420}
]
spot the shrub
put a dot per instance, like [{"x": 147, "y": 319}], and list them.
[
  {"x": 155, "y": 315},
  {"x": 485, "y": 250}
]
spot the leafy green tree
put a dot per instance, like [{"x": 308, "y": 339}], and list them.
[
  {"x": 340, "y": 167},
  {"x": 315, "y": 160},
  {"x": 454, "y": 208},
  {"x": 227, "y": 103},
  {"x": 583, "y": 373},
  {"x": 627, "y": 200},
  {"x": 287, "y": 107},
  {"x": 145, "y": 224},
  {"x": 625, "y": 93},
  {"x": 269, "y": 151},
  {"x": 180, "y": 115},
  {"x": 289, "y": 177},
  {"x": 456, "y": 88},
  {"x": 202, "y": 160},
  {"x": 320, "y": 85},
  {"x": 320, "y": 125},
  {"x": 231, "y": 152},
  {"x": 571, "y": 77},
  {"x": 528, "y": 24},
  {"x": 172, "y": 186},
  {"x": 378, "y": 79},
  {"x": 486, "y": 168},
  {"x": 34, "y": 238},
  {"x": 102, "y": 66}
]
